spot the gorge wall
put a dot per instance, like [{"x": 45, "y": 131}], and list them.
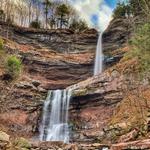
[{"x": 47, "y": 65}]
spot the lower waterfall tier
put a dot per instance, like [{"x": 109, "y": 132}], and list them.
[{"x": 54, "y": 125}]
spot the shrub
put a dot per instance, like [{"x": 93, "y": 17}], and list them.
[
  {"x": 141, "y": 47},
  {"x": 142, "y": 38},
  {"x": 9, "y": 21},
  {"x": 2, "y": 15},
  {"x": 1, "y": 43},
  {"x": 13, "y": 66},
  {"x": 121, "y": 10},
  {"x": 79, "y": 25},
  {"x": 140, "y": 8},
  {"x": 35, "y": 24}
]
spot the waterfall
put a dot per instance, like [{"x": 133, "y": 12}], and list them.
[
  {"x": 98, "y": 68},
  {"x": 54, "y": 125}
]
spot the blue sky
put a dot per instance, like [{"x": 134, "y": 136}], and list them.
[
  {"x": 97, "y": 13},
  {"x": 111, "y": 3}
]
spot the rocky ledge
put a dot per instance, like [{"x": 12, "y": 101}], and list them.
[
  {"x": 92, "y": 105},
  {"x": 6, "y": 143}
]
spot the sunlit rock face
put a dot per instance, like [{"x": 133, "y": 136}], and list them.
[{"x": 93, "y": 104}]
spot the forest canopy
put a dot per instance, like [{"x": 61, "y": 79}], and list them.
[{"x": 40, "y": 14}]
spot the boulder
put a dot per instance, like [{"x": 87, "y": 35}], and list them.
[
  {"x": 4, "y": 141},
  {"x": 4, "y": 137}
]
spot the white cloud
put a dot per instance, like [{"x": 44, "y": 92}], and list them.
[{"x": 88, "y": 8}]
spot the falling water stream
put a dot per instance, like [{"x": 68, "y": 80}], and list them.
[
  {"x": 98, "y": 68},
  {"x": 54, "y": 125}
]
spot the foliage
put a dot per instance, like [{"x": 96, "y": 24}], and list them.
[
  {"x": 120, "y": 10},
  {"x": 35, "y": 24},
  {"x": 140, "y": 7},
  {"x": 1, "y": 44},
  {"x": 2, "y": 52},
  {"x": 1, "y": 12},
  {"x": 2, "y": 15},
  {"x": 78, "y": 25},
  {"x": 63, "y": 11},
  {"x": 141, "y": 47},
  {"x": 9, "y": 21},
  {"x": 57, "y": 14},
  {"x": 134, "y": 7},
  {"x": 22, "y": 143},
  {"x": 47, "y": 4},
  {"x": 13, "y": 66},
  {"x": 52, "y": 22}
]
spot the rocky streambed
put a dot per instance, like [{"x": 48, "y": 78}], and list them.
[{"x": 7, "y": 143}]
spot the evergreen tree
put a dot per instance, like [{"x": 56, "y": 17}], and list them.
[{"x": 63, "y": 12}]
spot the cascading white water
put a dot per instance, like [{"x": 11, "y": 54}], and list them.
[
  {"x": 54, "y": 125},
  {"x": 98, "y": 68}
]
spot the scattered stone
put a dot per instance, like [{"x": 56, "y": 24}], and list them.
[
  {"x": 4, "y": 137},
  {"x": 129, "y": 136},
  {"x": 42, "y": 90},
  {"x": 36, "y": 83},
  {"x": 25, "y": 85}
]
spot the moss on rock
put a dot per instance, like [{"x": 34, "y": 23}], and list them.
[{"x": 23, "y": 144}]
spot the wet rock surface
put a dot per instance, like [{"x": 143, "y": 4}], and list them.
[{"x": 24, "y": 144}]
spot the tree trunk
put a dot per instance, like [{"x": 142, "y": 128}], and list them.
[{"x": 61, "y": 21}]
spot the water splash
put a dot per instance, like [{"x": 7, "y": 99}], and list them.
[
  {"x": 98, "y": 68},
  {"x": 54, "y": 125}
]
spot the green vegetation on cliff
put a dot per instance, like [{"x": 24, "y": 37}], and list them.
[
  {"x": 78, "y": 25},
  {"x": 141, "y": 47},
  {"x": 13, "y": 66},
  {"x": 140, "y": 8},
  {"x": 35, "y": 24},
  {"x": 1, "y": 44},
  {"x": 139, "y": 13}
]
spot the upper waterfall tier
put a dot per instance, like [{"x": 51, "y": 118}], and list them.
[{"x": 98, "y": 68}]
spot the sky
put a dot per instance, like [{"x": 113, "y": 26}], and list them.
[{"x": 97, "y": 13}]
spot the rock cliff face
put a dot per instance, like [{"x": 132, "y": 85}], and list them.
[
  {"x": 48, "y": 65},
  {"x": 21, "y": 101},
  {"x": 61, "y": 40},
  {"x": 116, "y": 35},
  {"x": 92, "y": 105},
  {"x": 43, "y": 69}
]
